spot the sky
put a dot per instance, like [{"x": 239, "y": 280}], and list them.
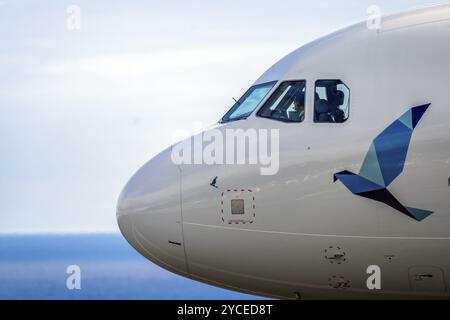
[{"x": 81, "y": 109}]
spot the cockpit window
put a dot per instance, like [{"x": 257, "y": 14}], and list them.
[
  {"x": 332, "y": 101},
  {"x": 248, "y": 102},
  {"x": 287, "y": 103}
]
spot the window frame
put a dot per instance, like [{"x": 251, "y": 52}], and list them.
[
  {"x": 274, "y": 90},
  {"x": 314, "y": 102},
  {"x": 236, "y": 104}
]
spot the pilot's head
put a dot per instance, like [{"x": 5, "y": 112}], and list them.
[
  {"x": 299, "y": 101},
  {"x": 340, "y": 97},
  {"x": 337, "y": 97}
]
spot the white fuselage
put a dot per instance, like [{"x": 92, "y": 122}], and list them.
[{"x": 307, "y": 236}]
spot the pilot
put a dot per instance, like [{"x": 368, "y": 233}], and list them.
[
  {"x": 337, "y": 115},
  {"x": 298, "y": 112}
]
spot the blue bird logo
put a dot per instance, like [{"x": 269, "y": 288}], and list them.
[
  {"x": 213, "y": 182},
  {"x": 384, "y": 162}
]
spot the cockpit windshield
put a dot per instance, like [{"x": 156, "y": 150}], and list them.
[{"x": 248, "y": 102}]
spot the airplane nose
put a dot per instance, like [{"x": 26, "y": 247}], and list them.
[{"x": 149, "y": 213}]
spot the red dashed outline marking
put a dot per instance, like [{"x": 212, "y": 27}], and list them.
[{"x": 238, "y": 221}]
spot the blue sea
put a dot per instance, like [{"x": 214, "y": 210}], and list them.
[{"x": 34, "y": 267}]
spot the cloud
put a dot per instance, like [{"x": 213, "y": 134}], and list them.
[{"x": 141, "y": 64}]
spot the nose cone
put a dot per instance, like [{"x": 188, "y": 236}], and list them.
[{"x": 149, "y": 213}]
